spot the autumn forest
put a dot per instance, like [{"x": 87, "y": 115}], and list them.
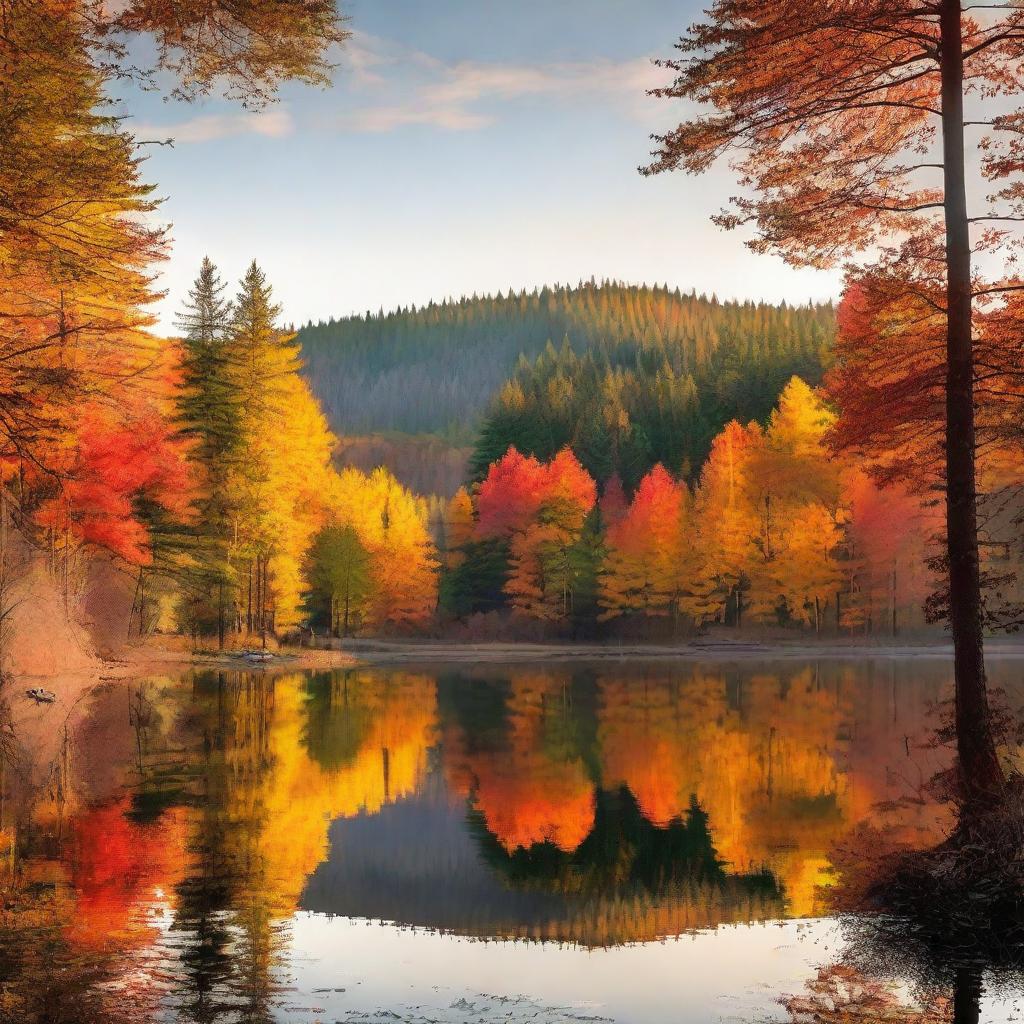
[
  {"x": 414, "y": 513},
  {"x": 637, "y": 461}
]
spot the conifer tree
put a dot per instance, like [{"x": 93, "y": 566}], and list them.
[
  {"x": 263, "y": 360},
  {"x": 210, "y": 414},
  {"x": 585, "y": 558}
]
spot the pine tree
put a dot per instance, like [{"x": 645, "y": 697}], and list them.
[
  {"x": 210, "y": 414},
  {"x": 585, "y": 558},
  {"x": 264, "y": 361}
]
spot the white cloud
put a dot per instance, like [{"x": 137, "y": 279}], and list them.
[
  {"x": 382, "y": 87},
  {"x": 387, "y": 119},
  {"x": 274, "y": 123},
  {"x": 395, "y": 87}
]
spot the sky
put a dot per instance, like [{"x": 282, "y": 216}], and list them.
[{"x": 464, "y": 146}]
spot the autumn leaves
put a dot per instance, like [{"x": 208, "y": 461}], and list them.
[
  {"x": 775, "y": 531},
  {"x": 274, "y": 531}
]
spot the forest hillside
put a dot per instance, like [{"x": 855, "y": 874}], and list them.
[{"x": 434, "y": 370}]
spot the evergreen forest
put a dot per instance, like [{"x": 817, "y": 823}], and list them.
[{"x": 436, "y": 369}]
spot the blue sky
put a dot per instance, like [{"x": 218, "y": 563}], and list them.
[{"x": 464, "y": 146}]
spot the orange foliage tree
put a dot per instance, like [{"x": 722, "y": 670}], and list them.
[
  {"x": 540, "y": 584},
  {"x": 510, "y": 495},
  {"x": 831, "y": 113},
  {"x": 460, "y": 526},
  {"x": 649, "y": 562},
  {"x": 889, "y": 534}
]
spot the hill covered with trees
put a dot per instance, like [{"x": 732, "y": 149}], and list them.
[{"x": 436, "y": 369}]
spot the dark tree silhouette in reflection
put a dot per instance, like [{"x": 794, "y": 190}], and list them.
[
  {"x": 339, "y": 719},
  {"x": 625, "y": 855}
]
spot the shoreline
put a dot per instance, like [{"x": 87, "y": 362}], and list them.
[
  {"x": 163, "y": 658},
  {"x": 170, "y": 658},
  {"x": 381, "y": 652}
]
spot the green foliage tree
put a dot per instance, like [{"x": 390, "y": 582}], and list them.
[
  {"x": 209, "y": 411},
  {"x": 477, "y": 583},
  {"x": 342, "y": 576}
]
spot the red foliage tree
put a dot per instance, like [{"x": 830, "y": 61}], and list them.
[{"x": 510, "y": 495}]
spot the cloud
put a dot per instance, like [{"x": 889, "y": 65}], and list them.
[
  {"x": 387, "y": 119},
  {"x": 382, "y": 87},
  {"x": 275, "y": 123},
  {"x": 395, "y": 87}
]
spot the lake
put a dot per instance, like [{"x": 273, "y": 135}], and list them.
[{"x": 572, "y": 843}]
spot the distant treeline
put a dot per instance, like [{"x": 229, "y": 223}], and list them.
[
  {"x": 425, "y": 464},
  {"x": 436, "y": 369}
]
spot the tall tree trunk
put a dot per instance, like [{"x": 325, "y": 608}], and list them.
[
  {"x": 981, "y": 775},
  {"x": 258, "y": 613},
  {"x": 220, "y": 616},
  {"x": 66, "y": 583},
  {"x": 4, "y": 609},
  {"x": 894, "y": 622},
  {"x": 967, "y": 996},
  {"x": 263, "y": 602},
  {"x": 135, "y": 601}
]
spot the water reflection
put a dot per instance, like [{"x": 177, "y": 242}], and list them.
[
  {"x": 155, "y": 855},
  {"x": 944, "y": 923}
]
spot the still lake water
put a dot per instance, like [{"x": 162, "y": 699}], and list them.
[{"x": 622, "y": 842}]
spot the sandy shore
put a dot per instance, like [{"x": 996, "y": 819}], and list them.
[{"x": 170, "y": 657}]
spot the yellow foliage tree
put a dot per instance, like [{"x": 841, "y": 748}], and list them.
[
  {"x": 299, "y": 476},
  {"x": 276, "y": 488},
  {"x": 790, "y": 471},
  {"x": 725, "y": 525},
  {"x": 392, "y": 525},
  {"x": 460, "y": 524}
]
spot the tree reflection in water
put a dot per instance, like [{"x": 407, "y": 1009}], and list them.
[
  {"x": 945, "y": 922},
  {"x": 158, "y": 859}
]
